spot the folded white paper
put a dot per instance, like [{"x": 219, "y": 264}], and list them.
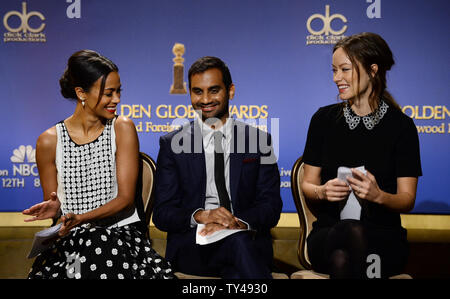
[
  {"x": 40, "y": 238},
  {"x": 352, "y": 208},
  {"x": 214, "y": 237}
]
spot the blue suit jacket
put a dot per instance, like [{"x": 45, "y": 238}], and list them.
[{"x": 180, "y": 184}]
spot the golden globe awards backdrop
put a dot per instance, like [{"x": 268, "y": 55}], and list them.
[{"x": 279, "y": 53}]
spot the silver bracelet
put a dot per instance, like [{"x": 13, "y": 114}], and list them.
[{"x": 317, "y": 193}]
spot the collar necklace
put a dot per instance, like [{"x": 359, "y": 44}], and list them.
[{"x": 369, "y": 120}]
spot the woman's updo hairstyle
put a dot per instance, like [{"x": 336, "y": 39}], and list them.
[
  {"x": 83, "y": 69},
  {"x": 369, "y": 48}
]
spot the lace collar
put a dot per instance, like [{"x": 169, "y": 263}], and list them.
[{"x": 369, "y": 120}]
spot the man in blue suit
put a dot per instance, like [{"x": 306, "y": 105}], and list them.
[{"x": 220, "y": 173}]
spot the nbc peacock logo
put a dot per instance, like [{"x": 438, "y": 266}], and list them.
[
  {"x": 23, "y": 165},
  {"x": 24, "y": 161},
  {"x": 22, "y": 153}
]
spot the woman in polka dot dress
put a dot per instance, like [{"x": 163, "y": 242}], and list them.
[{"x": 88, "y": 166}]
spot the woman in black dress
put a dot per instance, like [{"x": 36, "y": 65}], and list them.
[
  {"x": 88, "y": 165},
  {"x": 366, "y": 129}
]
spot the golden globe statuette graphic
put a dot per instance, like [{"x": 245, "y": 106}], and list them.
[{"x": 178, "y": 86}]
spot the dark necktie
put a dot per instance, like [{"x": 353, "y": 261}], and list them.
[{"x": 219, "y": 171}]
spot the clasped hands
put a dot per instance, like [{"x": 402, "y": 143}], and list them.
[
  {"x": 49, "y": 209},
  {"x": 363, "y": 185},
  {"x": 217, "y": 219}
]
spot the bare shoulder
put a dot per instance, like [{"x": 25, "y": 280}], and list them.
[
  {"x": 47, "y": 140},
  {"x": 124, "y": 124},
  {"x": 126, "y": 134}
]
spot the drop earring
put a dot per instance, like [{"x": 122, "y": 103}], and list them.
[{"x": 82, "y": 102}]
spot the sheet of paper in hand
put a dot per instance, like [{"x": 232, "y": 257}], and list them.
[
  {"x": 43, "y": 240},
  {"x": 214, "y": 237},
  {"x": 352, "y": 207}
]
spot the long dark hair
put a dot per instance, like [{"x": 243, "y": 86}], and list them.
[
  {"x": 369, "y": 48},
  {"x": 83, "y": 69}
]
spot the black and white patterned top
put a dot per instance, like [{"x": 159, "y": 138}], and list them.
[
  {"x": 86, "y": 175},
  {"x": 87, "y": 172}
]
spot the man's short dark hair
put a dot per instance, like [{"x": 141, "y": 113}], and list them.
[{"x": 209, "y": 62}]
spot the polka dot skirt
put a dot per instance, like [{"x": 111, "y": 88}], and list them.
[{"x": 102, "y": 253}]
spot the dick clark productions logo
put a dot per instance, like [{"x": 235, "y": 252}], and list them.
[
  {"x": 24, "y": 32},
  {"x": 323, "y": 36}
]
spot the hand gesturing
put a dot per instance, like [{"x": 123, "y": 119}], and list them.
[{"x": 44, "y": 210}]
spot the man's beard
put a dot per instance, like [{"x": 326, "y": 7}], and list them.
[{"x": 221, "y": 113}]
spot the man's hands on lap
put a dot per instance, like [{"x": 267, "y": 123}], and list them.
[{"x": 217, "y": 219}]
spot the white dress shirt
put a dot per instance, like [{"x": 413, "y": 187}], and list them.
[{"x": 211, "y": 196}]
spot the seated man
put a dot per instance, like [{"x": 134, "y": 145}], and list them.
[{"x": 221, "y": 173}]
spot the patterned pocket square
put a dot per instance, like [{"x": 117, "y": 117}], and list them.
[{"x": 249, "y": 160}]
